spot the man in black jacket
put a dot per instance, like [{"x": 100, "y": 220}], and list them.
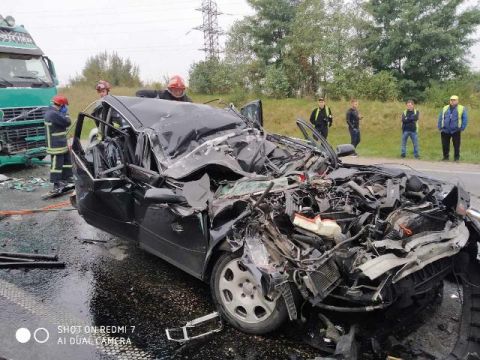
[
  {"x": 56, "y": 124},
  {"x": 322, "y": 118},
  {"x": 410, "y": 129},
  {"x": 353, "y": 121}
]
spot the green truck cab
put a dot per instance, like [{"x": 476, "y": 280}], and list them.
[{"x": 27, "y": 84}]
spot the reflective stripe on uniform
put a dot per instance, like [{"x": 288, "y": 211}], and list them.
[
  {"x": 47, "y": 126},
  {"x": 54, "y": 165},
  {"x": 67, "y": 166},
  {"x": 327, "y": 112},
  {"x": 459, "y": 112},
  {"x": 59, "y": 133},
  {"x": 54, "y": 151}
]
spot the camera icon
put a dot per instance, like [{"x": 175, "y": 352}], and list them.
[{"x": 40, "y": 335}]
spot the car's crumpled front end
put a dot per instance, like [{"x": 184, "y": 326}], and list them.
[
  {"x": 349, "y": 239},
  {"x": 358, "y": 241}
]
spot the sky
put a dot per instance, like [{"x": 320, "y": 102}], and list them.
[{"x": 157, "y": 35}]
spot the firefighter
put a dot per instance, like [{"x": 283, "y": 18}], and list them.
[
  {"x": 56, "y": 124},
  {"x": 452, "y": 120},
  {"x": 103, "y": 88},
  {"x": 322, "y": 118},
  {"x": 175, "y": 90}
]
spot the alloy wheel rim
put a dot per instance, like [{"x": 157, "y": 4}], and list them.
[{"x": 241, "y": 295}]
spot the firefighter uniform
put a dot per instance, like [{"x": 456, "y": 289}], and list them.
[{"x": 56, "y": 124}]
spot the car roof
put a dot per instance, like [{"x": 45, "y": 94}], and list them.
[{"x": 147, "y": 112}]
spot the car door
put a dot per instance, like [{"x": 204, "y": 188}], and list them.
[
  {"x": 103, "y": 194},
  {"x": 167, "y": 226}
]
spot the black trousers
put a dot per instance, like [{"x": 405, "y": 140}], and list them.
[
  {"x": 446, "y": 144},
  {"x": 323, "y": 130},
  {"x": 60, "y": 167}
]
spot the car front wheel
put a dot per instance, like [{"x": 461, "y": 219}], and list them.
[{"x": 240, "y": 299}]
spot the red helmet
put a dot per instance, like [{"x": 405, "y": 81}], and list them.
[
  {"x": 176, "y": 82},
  {"x": 60, "y": 100},
  {"x": 103, "y": 85},
  {"x": 176, "y": 86}
]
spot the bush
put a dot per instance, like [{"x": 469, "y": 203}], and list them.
[
  {"x": 467, "y": 89},
  {"x": 238, "y": 96},
  {"x": 359, "y": 83},
  {"x": 212, "y": 76},
  {"x": 382, "y": 86},
  {"x": 276, "y": 82}
]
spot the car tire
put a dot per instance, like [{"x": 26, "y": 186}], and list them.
[{"x": 239, "y": 298}]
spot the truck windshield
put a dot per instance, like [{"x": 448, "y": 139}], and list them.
[{"x": 24, "y": 71}]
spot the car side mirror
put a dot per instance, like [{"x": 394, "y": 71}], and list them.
[
  {"x": 253, "y": 111},
  {"x": 51, "y": 69},
  {"x": 163, "y": 195},
  {"x": 345, "y": 150}
]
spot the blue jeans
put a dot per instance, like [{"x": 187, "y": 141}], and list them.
[
  {"x": 354, "y": 136},
  {"x": 414, "y": 136}
]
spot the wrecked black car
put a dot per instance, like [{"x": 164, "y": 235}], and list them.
[{"x": 272, "y": 222}]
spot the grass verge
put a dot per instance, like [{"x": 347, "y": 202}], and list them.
[{"x": 380, "y": 127}]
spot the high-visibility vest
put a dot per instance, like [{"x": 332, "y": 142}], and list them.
[
  {"x": 460, "y": 114},
  {"x": 327, "y": 112},
  {"x": 415, "y": 112}
]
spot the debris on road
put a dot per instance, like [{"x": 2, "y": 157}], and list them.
[
  {"x": 91, "y": 241},
  {"x": 4, "y": 178},
  {"x": 29, "y": 184},
  {"x": 197, "y": 328},
  {"x": 30, "y": 256},
  {"x": 10, "y": 260}
]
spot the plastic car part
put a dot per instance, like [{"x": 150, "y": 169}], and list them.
[{"x": 197, "y": 328}]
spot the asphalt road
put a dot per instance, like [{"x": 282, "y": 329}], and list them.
[{"x": 112, "y": 283}]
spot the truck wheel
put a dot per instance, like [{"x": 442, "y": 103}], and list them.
[{"x": 239, "y": 298}]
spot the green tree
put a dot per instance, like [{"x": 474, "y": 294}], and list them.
[
  {"x": 111, "y": 67},
  {"x": 419, "y": 41},
  {"x": 248, "y": 69},
  {"x": 322, "y": 44},
  {"x": 267, "y": 29},
  {"x": 212, "y": 76},
  {"x": 276, "y": 82}
]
